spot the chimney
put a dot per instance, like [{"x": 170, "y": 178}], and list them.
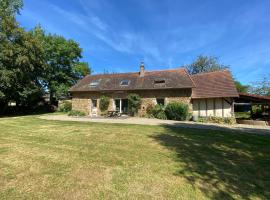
[{"x": 142, "y": 69}]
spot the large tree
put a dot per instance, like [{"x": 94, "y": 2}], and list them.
[
  {"x": 61, "y": 56},
  {"x": 205, "y": 64},
  {"x": 82, "y": 69},
  {"x": 21, "y": 61}
]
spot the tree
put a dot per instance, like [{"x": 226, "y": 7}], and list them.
[
  {"x": 82, "y": 69},
  {"x": 241, "y": 88},
  {"x": 104, "y": 103},
  {"x": 10, "y": 7},
  {"x": 61, "y": 57},
  {"x": 21, "y": 61},
  {"x": 134, "y": 103},
  {"x": 205, "y": 64},
  {"x": 261, "y": 87}
]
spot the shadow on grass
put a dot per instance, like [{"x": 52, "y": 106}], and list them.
[{"x": 224, "y": 165}]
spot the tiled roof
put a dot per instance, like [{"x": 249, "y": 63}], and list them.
[
  {"x": 175, "y": 78},
  {"x": 214, "y": 84},
  {"x": 255, "y": 96}
]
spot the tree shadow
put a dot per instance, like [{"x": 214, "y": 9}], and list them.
[{"x": 223, "y": 165}]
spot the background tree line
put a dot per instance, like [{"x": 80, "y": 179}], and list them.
[
  {"x": 210, "y": 63},
  {"x": 34, "y": 62}
]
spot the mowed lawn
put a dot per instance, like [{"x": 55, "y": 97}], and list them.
[{"x": 42, "y": 159}]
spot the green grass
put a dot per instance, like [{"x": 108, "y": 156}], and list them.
[
  {"x": 242, "y": 115},
  {"x": 42, "y": 159}
]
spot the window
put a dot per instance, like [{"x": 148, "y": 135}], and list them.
[
  {"x": 159, "y": 81},
  {"x": 124, "y": 82},
  {"x": 94, "y": 83},
  {"x": 160, "y": 101}
]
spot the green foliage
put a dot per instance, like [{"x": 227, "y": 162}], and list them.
[
  {"x": 177, "y": 111},
  {"x": 217, "y": 120},
  {"x": 134, "y": 103},
  {"x": 104, "y": 103},
  {"x": 157, "y": 111},
  {"x": 240, "y": 87},
  {"x": 21, "y": 64},
  {"x": 257, "y": 111},
  {"x": 66, "y": 106},
  {"x": 34, "y": 62},
  {"x": 76, "y": 113},
  {"x": 205, "y": 64},
  {"x": 82, "y": 69},
  {"x": 242, "y": 115},
  {"x": 10, "y": 7},
  {"x": 60, "y": 56}
]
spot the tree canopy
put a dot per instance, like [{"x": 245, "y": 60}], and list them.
[
  {"x": 241, "y": 88},
  {"x": 33, "y": 62},
  {"x": 205, "y": 64},
  {"x": 21, "y": 62},
  {"x": 261, "y": 87}
]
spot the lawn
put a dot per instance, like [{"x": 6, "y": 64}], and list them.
[{"x": 42, "y": 159}]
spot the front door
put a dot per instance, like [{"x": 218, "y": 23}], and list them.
[{"x": 94, "y": 107}]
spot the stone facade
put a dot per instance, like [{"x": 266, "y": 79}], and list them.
[{"x": 82, "y": 101}]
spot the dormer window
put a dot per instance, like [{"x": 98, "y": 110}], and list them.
[
  {"x": 160, "y": 81},
  {"x": 94, "y": 83},
  {"x": 124, "y": 82}
]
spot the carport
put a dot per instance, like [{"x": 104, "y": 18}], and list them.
[{"x": 260, "y": 103}]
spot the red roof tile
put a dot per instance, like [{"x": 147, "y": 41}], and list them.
[{"x": 213, "y": 85}]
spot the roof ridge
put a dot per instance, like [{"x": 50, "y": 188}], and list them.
[
  {"x": 189, "y": 76},
  {"x": 146, "y": 71}
]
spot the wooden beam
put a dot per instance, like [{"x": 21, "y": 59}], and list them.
[
  {"x": 222, "y": 103},
  {"x": 214, "y": 102},
  {"x": 206, "y": 108}
]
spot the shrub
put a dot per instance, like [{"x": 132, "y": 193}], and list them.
[
  {"x": 157, "y": 111},
  {"x": 66, "y": 106},
  {"x": 217, "y": 120},
  {"x": 177, "y": 111},
  {"x": 257, "y": 112},
  {"x": 76, "y": 113},
  {"x": 104, "y": 103},
  {"x": 134, "y": 103}
]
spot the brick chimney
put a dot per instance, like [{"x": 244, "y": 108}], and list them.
[{"x": 142, "y": 69}]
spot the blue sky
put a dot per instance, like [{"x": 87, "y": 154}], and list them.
[{"x": 117, "y": 34}]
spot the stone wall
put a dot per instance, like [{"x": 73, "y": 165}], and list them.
[{"x": 82, "y": 101}]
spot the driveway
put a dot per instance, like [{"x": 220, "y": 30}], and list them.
[{"x": 147, "y": 121}]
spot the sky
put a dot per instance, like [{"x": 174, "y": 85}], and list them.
[{"x": 116, "y": 35}]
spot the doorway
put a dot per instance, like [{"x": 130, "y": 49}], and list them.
[
  {"x": 94, "y": 107},
  {"x": 121, "y": 105}
]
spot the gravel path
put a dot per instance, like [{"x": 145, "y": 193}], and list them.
[{"x": 146, "y": 121}]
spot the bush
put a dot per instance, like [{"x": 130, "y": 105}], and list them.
[
  {"x": 177, "y": 111},
  {"x": 66, "y": 106},
  {"x": 134, "y": 103},
  {"x": 217, "y": 120},
  {"x": 157, "y": 111},
  {"x": 76, "y": 113},
  {"x": 104, "y": 103}
]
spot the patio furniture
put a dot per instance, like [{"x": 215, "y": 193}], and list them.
[{"x": 114, "y": 113}]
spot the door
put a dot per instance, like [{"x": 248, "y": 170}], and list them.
[
  {"x": 121, "y": 105},
  {"x": 117, "y": 105},
  {"x": 94, "y": 107},
  {"x": 124, "y": 106}
]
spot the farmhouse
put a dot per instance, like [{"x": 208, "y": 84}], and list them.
[{"x": 207, "y": 94}]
